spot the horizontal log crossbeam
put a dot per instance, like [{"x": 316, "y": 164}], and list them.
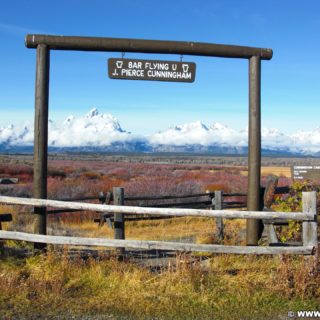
[
  {"x": 149, "y": 245},
  {"x": 230, "y": 214},
  {"x": 77, "y": 43}
]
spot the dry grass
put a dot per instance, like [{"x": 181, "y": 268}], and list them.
[
  {"x": 253, "y": 287},
  {"x": 200, "y": 230},
  {"x": 167, "y": 229},
  {"x": 278, "y": 171}
]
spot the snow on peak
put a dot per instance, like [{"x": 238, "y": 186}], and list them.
[
  {"x": 69, "y": 120},
  {"x": 198, "y": 133},
  {"x": 194, "y": 133},
  {"x": 93, "y": 129},
  {"x": 309, "y": 141},
  {"x": 193, "y": 126},
  {"x": 92, "y": 113},
  {"x": 15, "y": 136}
]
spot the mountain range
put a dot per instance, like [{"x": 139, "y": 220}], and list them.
[{"x": 101, "y": 132}]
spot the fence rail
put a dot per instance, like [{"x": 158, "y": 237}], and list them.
[
  {"x": 308, "y": 217},
  {"x": 194, "y": 205},
  {"x": 149, "y": 245},
  {"x": 102, "y": 197},
  {"x": 301, "y": 216}
]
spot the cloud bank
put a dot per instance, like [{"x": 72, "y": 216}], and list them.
[{"x": 100, "y": 130}]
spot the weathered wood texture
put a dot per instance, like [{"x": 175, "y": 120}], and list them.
[
  {"x": 194, "y": 195},
  {"x": 254, "y": 226},
  {"x": 145, "y": 46},
  {"x": 309, "y": 228},
  {"x": 105, "y": 199},
  {"x": 160, "y": 245},
  {"x": 159, "y": 211},
  {"x": 119, "y": 232},
  {"x": 218, "y": 205},
  {"x": 118, "y": 200},
  {"x": 269, "y": 192},
  {"x": 40, "y": 167},
  {"x": 271, "y": 234}
]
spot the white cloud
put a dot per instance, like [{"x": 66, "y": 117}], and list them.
[
  {"x": 101, "y": 130},
  {"x": 94, "y": 129},
  {"x": 198, "y": 133}
]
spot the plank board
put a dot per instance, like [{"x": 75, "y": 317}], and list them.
[
  {"x": 149, "y": 245},
  {"x": 158, "y": 211}
]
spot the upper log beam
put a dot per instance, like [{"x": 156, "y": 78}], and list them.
[{"x": 145, "y": 46}]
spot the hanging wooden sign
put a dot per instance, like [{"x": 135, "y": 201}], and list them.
[{"x": 157, "y": 70}]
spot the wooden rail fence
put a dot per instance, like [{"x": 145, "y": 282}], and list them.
[
  {"x": 216, "y": 200},
  {"x": 209, "y": 200},
  {"x": 308, "y": 217}
]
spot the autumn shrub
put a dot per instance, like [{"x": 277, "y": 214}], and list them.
[
  {"x": 91, "y": 175},
  {"x": 23, "y": 172},
  {"x": 23, "y": 191},
  {"x": 13, "y": 170},
  {"x": 56, "y": 173},
  {"x": 123, "y": 173},
  {"x": 157, "y": 186},
  {"x": 78, "y": 187},
  {"x": 291, "y": 202},
  {"x": 230, "y": 182}
]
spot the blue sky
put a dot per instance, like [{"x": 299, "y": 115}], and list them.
[{"x": 79, "y": 81}]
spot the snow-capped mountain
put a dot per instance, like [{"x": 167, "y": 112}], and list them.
[
  {"x": 15, "y": 136},
  {"x": 102, "y": 132},
  {"x": 94, "y": 129},
  {"x": 198, "y": 133}
]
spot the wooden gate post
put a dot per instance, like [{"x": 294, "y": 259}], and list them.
[
  {"x": 310, "y": 228},
  {"x": 218, "y": 205},
  {"x": 254, "y": 153},
  {"x": 41, "y": 138},
  {"x": 119, "y": 232}
]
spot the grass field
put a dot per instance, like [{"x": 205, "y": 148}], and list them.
[
  {"x": 56, "y": 286},
  {"x": 230, "y": 287}
]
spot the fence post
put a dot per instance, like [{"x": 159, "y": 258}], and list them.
[
  {"x": 269, "y": 191},
  {"x": 118, "y": 199},
  {"x": 310, "y": 228},
  {"x": 218, "y": 205},
  {"x": 1, "y": 241},
  {"x": 254, "y": 152},
  {"x": 40, "y": 166}
]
